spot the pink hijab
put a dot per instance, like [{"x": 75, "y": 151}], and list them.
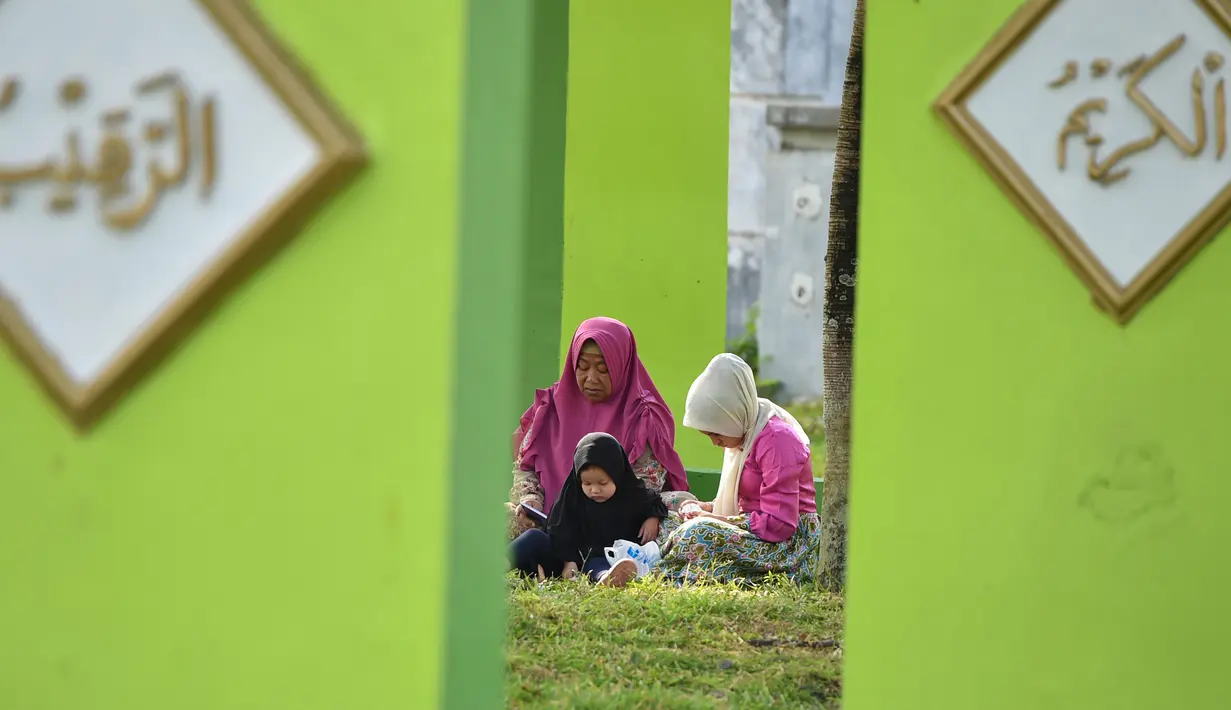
[{"x": 634, "y": 414}]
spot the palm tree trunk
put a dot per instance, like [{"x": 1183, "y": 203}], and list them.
[{"x": 839, "y": 333}]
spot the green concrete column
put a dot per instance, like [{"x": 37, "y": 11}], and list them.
[{"x": 508, "y": 311}]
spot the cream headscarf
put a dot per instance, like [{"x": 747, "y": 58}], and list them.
[{"x": 723, "y": 400}]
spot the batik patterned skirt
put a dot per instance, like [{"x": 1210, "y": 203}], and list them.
[
  {"x": 715, "y": 550},
  {"x": 675, "y": 499}
]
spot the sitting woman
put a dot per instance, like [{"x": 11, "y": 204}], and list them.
[
  {"x": 764, "y": 517},
  {"x": 604, "y": 387},
  {"x": 602, "y": 501}
]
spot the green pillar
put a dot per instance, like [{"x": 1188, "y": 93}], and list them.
[
  {"x": 508, "y": 309},
  {"x": 1038, "y": 511}
]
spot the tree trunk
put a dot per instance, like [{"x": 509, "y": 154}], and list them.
[{"x": 839, "y": 331}]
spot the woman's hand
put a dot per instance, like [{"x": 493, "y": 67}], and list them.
[
  {"x": 715, "y": 516},
  {"x": 649, "y": 530},
  {"x": 695, "y": 509},
  {"x": 570, "y": 570},
  {"x": 517, "y": 521},
  {"x": 524, "y": 521}
]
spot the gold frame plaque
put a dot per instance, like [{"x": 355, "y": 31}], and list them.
[
  {"x": 1121, "y": 303},
  {"x": 342, "y": 156}
]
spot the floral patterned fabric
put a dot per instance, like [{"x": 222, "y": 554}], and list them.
[
  {"x": 527, "y": 489},
  {"x": 715, "y": 550}
]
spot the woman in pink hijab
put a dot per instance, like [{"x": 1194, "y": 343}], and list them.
[{"x": 604, "y": 387}]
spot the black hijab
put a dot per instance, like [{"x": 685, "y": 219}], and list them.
[{"x": 579, "y": 527}]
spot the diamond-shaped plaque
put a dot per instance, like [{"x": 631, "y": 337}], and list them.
[
  {"x": 1106, "y": 122},
  {"x": 152, "y": 155}
]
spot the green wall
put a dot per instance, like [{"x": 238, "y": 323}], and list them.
[
  {"x": 245, "y": 530},
  {"x": 989, "y": 395},
  {"x": 646, "y": 185}
]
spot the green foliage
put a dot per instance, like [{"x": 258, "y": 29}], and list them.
[
  {"x": 746, "y": 345},
  {"x": 809, "y": 415},
  {"x": 747, "y": 349},
  {"x": 769, "y": 389}
]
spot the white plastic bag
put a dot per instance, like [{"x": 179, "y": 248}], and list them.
[{"x": 644, "y": 556}]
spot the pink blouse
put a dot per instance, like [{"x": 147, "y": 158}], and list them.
[{"x": 776, "y": 485}]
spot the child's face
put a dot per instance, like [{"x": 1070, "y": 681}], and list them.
[{"x": 596, "y": 484}]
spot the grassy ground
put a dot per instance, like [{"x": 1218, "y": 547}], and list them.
[{"x": 571, "y": 645}]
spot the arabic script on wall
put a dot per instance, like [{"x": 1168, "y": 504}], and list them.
[
  {"x": 128, "y": 191},
  {"x": 1115, "y": 164}
]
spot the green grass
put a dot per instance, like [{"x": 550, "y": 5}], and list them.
[{"x": 572, "y": 645}]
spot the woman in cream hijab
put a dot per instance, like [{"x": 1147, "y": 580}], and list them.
[{"x": 764, "y": 517}]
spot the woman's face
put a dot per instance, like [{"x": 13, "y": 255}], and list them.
[
  {"x": 725, "y": 442},
  {"x": 596, "y": 484},
  {"x": 592, "y": 377}
]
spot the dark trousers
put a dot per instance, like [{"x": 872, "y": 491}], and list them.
[{"x": 533, "y": 548}]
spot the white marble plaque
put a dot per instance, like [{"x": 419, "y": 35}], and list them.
[
  {"x": 1107, "y": 121},
  {"x": 140, "y": 147}
]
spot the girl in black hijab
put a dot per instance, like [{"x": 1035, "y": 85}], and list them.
[{"x": 602, "y": 501}]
